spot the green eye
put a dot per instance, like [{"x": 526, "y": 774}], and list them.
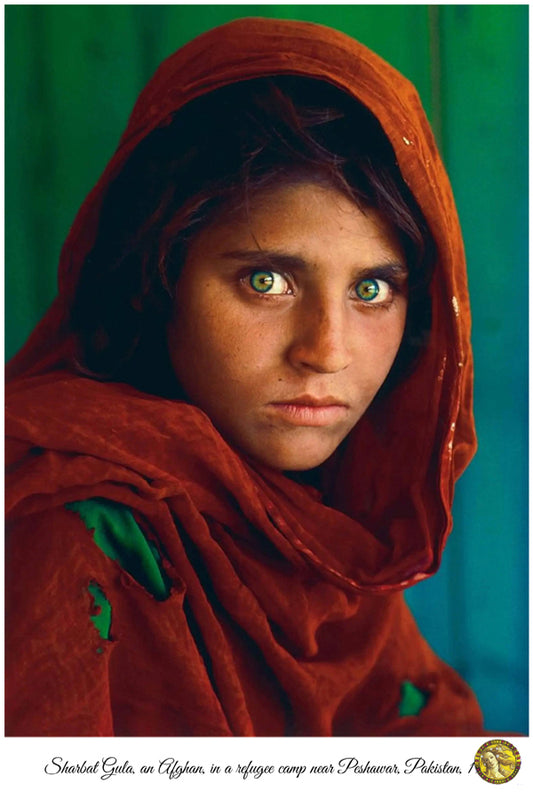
[
  {"x": 367, "y": 289},
  {"x": 272, "y": 282},
  {"x": 261, "y": 281}
]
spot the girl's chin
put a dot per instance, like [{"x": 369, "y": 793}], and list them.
[{"x": 293, "y": 459}]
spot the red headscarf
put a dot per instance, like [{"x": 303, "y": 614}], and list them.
[{"x": 276, "y": 595}]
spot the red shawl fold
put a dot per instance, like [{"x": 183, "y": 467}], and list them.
[{"x": 285, "y": 615}]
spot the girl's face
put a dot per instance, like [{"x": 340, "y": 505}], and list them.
[{"x": 287, "y": 322}]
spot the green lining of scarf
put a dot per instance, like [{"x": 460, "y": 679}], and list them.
[
  {"x": 118, "y": 535},
  {"x": 413, "y": 700},
  {"x": 101, "y": 619}
]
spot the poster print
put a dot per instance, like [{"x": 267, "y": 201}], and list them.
[{"x": 220, "y": 601}]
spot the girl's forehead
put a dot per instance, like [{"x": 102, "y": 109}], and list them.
[
  {"x": 306, "y": 230},
  {"x": 303, "y": 217}
]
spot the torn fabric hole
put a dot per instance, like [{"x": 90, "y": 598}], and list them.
[
  {"x": 413, "y": 700},
  {"x": 101, "y": 619}
]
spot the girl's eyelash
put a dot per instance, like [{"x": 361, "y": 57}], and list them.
[
  {"x": 261, "y": 281},
  {"x": 365, "y": 298},
  {"x": 261, "y": 289}
]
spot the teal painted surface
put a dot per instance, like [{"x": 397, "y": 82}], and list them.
[
  {"x": 481, "y": 592},
  {"x": 72, "y": 76}
]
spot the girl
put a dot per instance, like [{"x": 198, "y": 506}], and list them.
[{"x": 234, "y": 437}]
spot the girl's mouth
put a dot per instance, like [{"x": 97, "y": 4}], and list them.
[{"x": 308, "y": 411}]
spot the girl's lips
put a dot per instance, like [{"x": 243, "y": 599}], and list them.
[{"x": 310, "y": 414}]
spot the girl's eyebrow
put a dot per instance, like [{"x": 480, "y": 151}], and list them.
[
  {"x": 274, "y": 258},
  {"x": 288, "y": 261}
]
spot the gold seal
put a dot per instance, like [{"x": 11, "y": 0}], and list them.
[{"x": 497, "y": 761}]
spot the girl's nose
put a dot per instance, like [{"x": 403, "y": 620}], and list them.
[{"x": 320, "y": 339}]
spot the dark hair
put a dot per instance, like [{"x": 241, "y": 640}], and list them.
[{"x": 216, "y": 154}]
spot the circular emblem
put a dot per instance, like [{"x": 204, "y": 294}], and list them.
[{"x": 497, "y": 761}]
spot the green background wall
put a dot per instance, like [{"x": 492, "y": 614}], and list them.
[{"x": 72, "y": 75}]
